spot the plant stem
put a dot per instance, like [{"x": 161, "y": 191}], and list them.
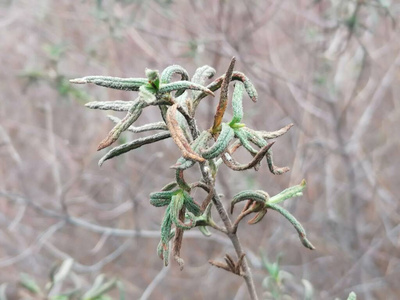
[{"x": 247, "y": 275}]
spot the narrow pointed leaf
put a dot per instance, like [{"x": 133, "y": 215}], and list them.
[
  {"x": 258, "y": 217},
  {"x": 134, "y": 145},
  {"x": 231, "y": 163},
  {"x": 132, "y": 115},
  {"x": 126, "y": 84},
  {"x": 143, "y": 128},
  {"x": 275, "y": 134},
  {"x": 237, "y": 103},
  {"x": 117, "y": 105},
  {"x": 222, "y": 143},
  {"x": 223, "y": 99},
  {"x": 178, "y": 136},
  {"x": 197, "y": 145},
  {"x": 296, "y": 224},
  {"x": 183, "y": 85},
  {"x": 243, "y": 138},
  {"x": 294, "y": 191}
]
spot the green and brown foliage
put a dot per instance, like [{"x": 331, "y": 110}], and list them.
[{"x": 178, "y": 110}]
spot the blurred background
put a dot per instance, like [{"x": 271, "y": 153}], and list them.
[{"x": 330, "y": 67}]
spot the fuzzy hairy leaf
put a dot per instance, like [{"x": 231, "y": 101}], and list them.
[
  {"x": 170, "y": 71},
  {"x": 160, "y": 199},
  {"x": 197, "y": 145},
  {"x": 125, "y": 84},
  {"x": 258, "y": 196},
  {"x": 296, "y": 224},
  {"x": 293, "y": 191},
  {"x": 201, "y": 75},
  {"x": 117, "y": 105},
  {"x": 243, "y": 138},
  {"x": 223, "y": 98},
  {"x": 178, "y": 136},
  {"x": 134, "y": 145},
  {"x": 257, "y": 139},
  {"x": 183, "y": 85},
  {"x": 166, "y": 226},
  {"x": 191, "y": 205},
  {"x": 237, "y": 103},
  {"x": 236, "y": 76},
  {"x": 133, "y": 114},
  {"x": 223, "y": 140}
]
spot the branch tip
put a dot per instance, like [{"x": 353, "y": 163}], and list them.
[{"x": 78, "y": 80}]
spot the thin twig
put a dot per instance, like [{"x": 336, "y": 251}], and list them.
[{"x": 156, "y": 281}]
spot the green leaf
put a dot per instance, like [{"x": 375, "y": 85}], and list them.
[
  {"x": 183, "y": 85},
  {"x": 125, "y": 84},
  {"x": 29, "y": 283},
  {"x": 258, "y": 196},
  {"x": 63, "y": 271},
  {"x": 352, "y": 296},
  {"x": 237, "y": 104},
  {"x": 153, "y": 78},
  {"x": 170, "y": 71},
  {"x": 296, "y": 224},
  {"x": 223, "y": 140},
  {"x": 294, "y": 191},
  {"x": 99, "y": 289}
]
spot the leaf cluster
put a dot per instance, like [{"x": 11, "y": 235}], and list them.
[{"x": 209, "y": 147}]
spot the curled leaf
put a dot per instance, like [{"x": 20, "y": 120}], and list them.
[
  {"x": 200, "y": 77},
  {"x": 258, "y": 217},
  {"x": 183, "y": 85},
  {"x": 255, "y": 138},
  {"x": 258, "y": 196},
  {"x": 197, "y": 144},
  {"x": 237, "y": 103},
  {"x": 223, "y": 140},
  {"x": 248, "y": 86},
  {"x": 236, "y": 76},
  {"x": 191, "y": 205},
  {"x": 179, "y": 137},
  {"x": 231, "y": 163},
  {"x": 296, "y": 224},
  {"x": 167, "y": 74},
  {"x": 170, "y": 71},
  {"x": 133, "y": 114},
  {"x": 243, "y": 138},
  {"x": 170, "y": 186}
]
